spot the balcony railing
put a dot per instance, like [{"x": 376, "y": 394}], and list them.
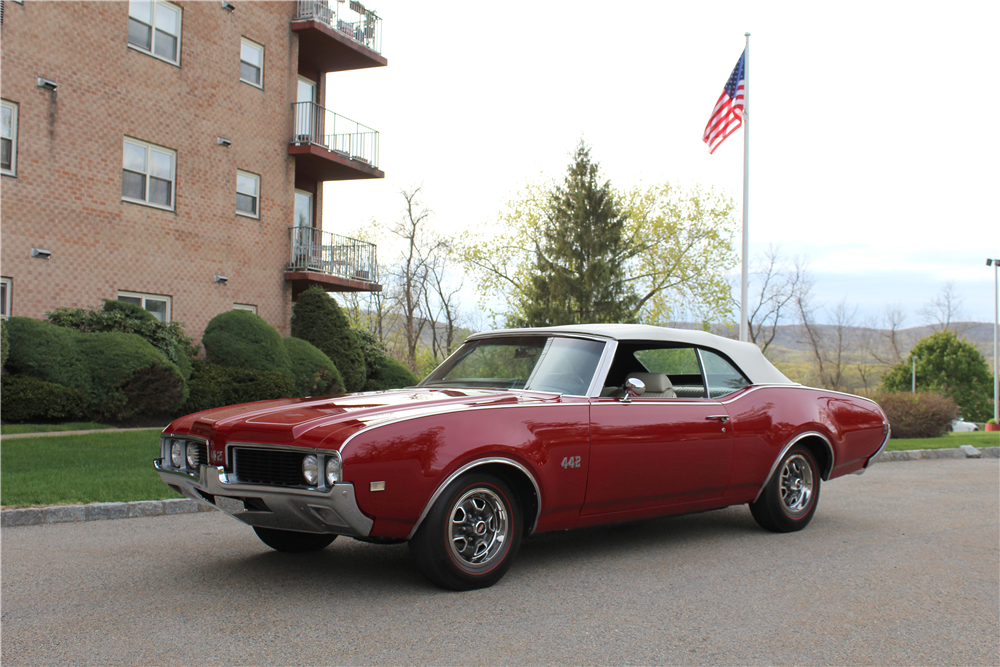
[
  {"x": 316, "y": 125},
  {"x": 349, "y": 18},
  {"x": 332, "y": 255}
]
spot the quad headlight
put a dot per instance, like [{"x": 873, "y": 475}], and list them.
[
  {"x": 310, "y": 469},
  {"x": 193, "y": 457},
  {"x": 177, "y": 453},
  {"x": 334, "y": 468}
]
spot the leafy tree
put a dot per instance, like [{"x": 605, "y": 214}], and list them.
[
  {"x": 948, "y": 366},
  {"x": 580, "y": 254},
  {"x": 663, "y": 251}
]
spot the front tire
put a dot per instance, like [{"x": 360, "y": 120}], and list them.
[
  {"x": 471, "y": 534},
  {"x": 790, "y": 497},
  {"x": 293, "y": 542}
]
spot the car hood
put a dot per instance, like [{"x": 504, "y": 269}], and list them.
[{"x": 328, "y": 421}]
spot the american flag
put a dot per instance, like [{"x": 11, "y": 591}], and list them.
[{"x": 727, "y": 116}]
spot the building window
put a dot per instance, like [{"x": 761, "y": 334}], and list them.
[
  {"x": 8, "y": 139},
  {"x": 156, "y": 304},
  {"x": 148, "y": 174},
  {"x": 247, "y": 194},
  {"x": 5, "y": 286},
  {"x": 155, "y": 27},
  {"x": 245, "y": 306},
  {"x": 252, "y": 63}
]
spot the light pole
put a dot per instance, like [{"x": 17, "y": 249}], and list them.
[{"x": 995, "y": 263}]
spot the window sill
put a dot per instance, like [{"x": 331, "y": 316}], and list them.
[
  {"x": 138, "y": 49},
  {"x": 247, "y": 215},
  {"x": 141, "y": 202},
  {"x": 252, "y": 84}
]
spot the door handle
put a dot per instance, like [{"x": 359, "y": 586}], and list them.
[{"x": 721, "y": 418}]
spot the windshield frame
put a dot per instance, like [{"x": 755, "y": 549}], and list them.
[{"x": 596, "y": 382}]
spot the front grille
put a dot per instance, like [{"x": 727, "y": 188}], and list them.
[{"x": 268, "y": 466}]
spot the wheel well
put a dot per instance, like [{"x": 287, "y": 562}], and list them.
[
  {"x": 820, "y": 449},
  {"x": 521, "y": 486}
]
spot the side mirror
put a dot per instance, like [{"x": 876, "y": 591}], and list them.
[{"x": 634, "y": 387}]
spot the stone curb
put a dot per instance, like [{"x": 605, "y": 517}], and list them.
[{"x": 34, "y": 516}]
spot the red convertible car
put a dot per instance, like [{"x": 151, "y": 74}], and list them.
[{"x": 525, "y": 431}]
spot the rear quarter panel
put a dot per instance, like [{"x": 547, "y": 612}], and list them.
[
  {"x": 766, "y": 419},
  {"x": 415, "y": 456}
]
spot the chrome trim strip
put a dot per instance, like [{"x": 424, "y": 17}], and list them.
[
  {"x": 334, "y": 510},
  {"x": 874, "y": 457},
  {"x": 603, "y": 366},
  {"x": 469, "y": 466},
  {"x": 784, "y": 451}
]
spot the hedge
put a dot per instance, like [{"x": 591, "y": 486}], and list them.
[
  {"x": 315, "y": 374},
  {"x": 213, "y": 386},
  {"x": 168, "y": 337},
  {"x": 318, "y": 319},
  {"x": 28, "y": 399},
  {"x": 920, "y": 415},
  {"x": 241, "y": 339},
  {"x": 119, "y": 374},
  {"x": 390, "y": 374}
]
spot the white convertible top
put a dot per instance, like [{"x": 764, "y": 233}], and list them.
[{"x": 745, "y": 355}]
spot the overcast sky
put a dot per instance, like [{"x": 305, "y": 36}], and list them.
[{"x": 873, "y": 151}]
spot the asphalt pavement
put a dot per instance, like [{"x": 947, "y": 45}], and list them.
[{"x": 900, "y": 566}]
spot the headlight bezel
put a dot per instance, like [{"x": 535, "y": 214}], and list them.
[{"x": 334, "y": 469}]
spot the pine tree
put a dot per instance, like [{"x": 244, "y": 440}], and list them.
[{"x": 582, "y": 254}]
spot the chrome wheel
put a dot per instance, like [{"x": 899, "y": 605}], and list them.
[
  {"x": 471, "y": 533},
  {"x": 796, "y": 484},
  {"x": 477, "y": 528}
]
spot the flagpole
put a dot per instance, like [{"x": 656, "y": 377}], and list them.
[{"x": 745, "y": 275}]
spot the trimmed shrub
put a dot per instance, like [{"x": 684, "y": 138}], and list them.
[
  {"x": 315, "y": 374},
  {"x": 318, "y": 319},
  {"x": 241, "y": 339},
  {"x": 213, "y": 386},
  {"x": 4, "y": 346},
  {"x": 27, "y": 399},
  {"x": 921, "y": 415},
  {"x": 119, "y": 374},
  {"x": 391, "y": 374},
  {"x": 168, "y": 337}
]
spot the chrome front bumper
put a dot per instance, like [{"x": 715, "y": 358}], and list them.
[{"x": 333, "y": 510}]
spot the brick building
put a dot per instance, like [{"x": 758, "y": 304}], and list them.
[{"x": 172, "y": 154}]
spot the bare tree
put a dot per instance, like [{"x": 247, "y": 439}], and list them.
[
  {"x": 944, "y": 310},
  {"x": 829, "y": 346},
  {"x": 441, "y": 303},
  {"x": 776, "y": 287}
]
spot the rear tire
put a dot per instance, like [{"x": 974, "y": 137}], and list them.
[
  {"x": 790, "y": 497},
  {"x": 293, "y": 542},
  {"x": 471, "y": 534}
]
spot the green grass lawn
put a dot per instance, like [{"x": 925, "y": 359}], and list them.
[
  {"x": 77, "y": 469},
  {"x": 14, "y": 429},
  {"x": 978, "y": 439}
]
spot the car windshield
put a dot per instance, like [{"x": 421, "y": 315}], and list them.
[{"x": 534, "y": 363}]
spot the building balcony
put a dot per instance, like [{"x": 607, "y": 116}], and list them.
[
  {"x": 329, "y": 147},
  {"x": 336, "y": 36},
  {"x": 335, "y": 263}
]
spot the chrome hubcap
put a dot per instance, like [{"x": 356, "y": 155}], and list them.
[
  {"x": 478, "y": 528},
  {"x": 796, "y": 483}
]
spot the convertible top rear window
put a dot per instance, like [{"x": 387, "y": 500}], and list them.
[{"x": 534, "y": 363}]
